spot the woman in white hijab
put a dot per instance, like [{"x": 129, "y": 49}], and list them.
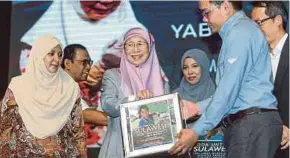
[
  {"x": 96, "y": 24},
  {"x": 40, "y": 114}
]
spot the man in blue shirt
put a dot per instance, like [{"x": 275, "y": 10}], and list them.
[{"x": 243, "y": 102}]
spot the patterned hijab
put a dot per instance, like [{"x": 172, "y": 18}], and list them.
[
  {"x": 205, "y": 87},
  {"x": 147, "y": 75},
  {"x": 45, "y": 99}
]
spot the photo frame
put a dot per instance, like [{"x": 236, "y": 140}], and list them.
[{"x": 150, "y": 126}]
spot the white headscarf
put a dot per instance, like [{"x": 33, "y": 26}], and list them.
[{"x": 45, "y": 99}]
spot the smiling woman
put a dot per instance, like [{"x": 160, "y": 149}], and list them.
[
  {"x": 52, "y": 60},
  {"x": 139, "y": 76},
  {"x": 40, "y": 113},
  {"x": 136, "y": 49},
  {"x": 196, "y": 85}
]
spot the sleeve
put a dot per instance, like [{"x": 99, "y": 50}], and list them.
[
  {"x": 166, "y": 82},
  {"x": 141, "y": 123},
  {"x": 3, "y": 106},
  {"x": 78, "y": 129},
  {"x": 131, "y": 97},
  {"x": 166, "y": 87},
  {"x": 84, "y": 105},
  {"x": 8, "y": 116},
  {"x": 236, "y": 56},
  {"x": 111, "y": 97},
  {"x": 203, "y": 104},
  {"x": 7, "y": 102}
]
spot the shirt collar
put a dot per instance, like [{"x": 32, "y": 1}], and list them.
[
  {"x": 230, "y": 23},
  {"x": 278, "y": 48}
]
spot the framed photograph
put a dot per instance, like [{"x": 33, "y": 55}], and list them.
[{"x": 150, "y": 126}]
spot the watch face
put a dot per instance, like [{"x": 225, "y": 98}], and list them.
[{"x": 96, "y": 10}]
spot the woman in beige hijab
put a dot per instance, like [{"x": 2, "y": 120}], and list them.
[{"x": 40, "y": 114}]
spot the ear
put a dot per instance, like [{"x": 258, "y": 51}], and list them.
[
  {"x": 226, "y": 4},
  {"x": 67, "y": 64},
  {"x": 278, "y": 20}
]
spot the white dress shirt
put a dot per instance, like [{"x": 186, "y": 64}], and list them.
[{"x": 275, "y": 55}]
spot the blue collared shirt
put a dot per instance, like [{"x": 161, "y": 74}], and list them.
[{"x": 244, "y": 75}]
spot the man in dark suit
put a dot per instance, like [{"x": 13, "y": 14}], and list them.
[{"x": 272, "y": 17}]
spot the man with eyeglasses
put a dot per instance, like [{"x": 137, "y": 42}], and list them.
[
  {"x": 77, "y": 63},
  {"x": 272, "y": 17},
  {"x": 243, "y": 102}
]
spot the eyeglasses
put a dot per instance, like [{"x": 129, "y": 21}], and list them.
[
  {"x": 132, "y": 45},
  {"x": 205, "y": 12},
  {"x": 260, "y": 22},
  {"x": 86, "y": 62}
]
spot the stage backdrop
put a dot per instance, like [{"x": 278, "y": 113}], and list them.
[{"x": 176, "y": 27}]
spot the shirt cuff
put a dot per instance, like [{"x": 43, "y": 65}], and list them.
[
  {"x": 84, "y": 105},
  {"x": 131, "y": 98},
  {"x": 199, "y": 126},
  {"x": 203, "y": 104}
]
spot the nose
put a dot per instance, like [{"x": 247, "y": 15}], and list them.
[
  {"x": 204, "y": 19},
  {"x": 190, "y": 71},
  {"x": 88, "y": 67},
  {"x": 136, "y": 47},
  {"x": 56, "y": 57}
]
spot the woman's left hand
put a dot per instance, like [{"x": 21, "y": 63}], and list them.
[{"x": 143, "y": 94}]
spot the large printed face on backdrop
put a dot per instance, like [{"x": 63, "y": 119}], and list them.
[
  {"x": 269, "y": 25},
  {"x": 93, "y": 11},
  {"x": 137, "y": 50},
  {"x": 96, "y": 10},
  {"x": 52, "y": 60},
  {"x": 191, "y": 71}
]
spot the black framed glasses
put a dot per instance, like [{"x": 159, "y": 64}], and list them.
[
  {"x": 205, "y": 13},
  {"x": 131, "y": 45},
  {"x": 86, "y": 62},
  {"x": 260, "y": 22}
]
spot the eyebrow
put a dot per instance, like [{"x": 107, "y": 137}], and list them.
[
  {"x": 196, "y": 63},
  {"x": 56, "y": 51},
  {"x": 82, "y": 59},
  {"x": 202, "y": 10},
  {"x": 137, "y": 42}
]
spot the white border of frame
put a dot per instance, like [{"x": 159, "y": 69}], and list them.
[{"x": 153, "y": 150}]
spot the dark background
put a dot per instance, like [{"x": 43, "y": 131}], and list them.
[{"x": 5, "y": 16}]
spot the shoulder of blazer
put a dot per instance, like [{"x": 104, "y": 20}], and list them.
[
  {"x": 283, "y": 66},
  {"x": 284, "y": 58}
]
